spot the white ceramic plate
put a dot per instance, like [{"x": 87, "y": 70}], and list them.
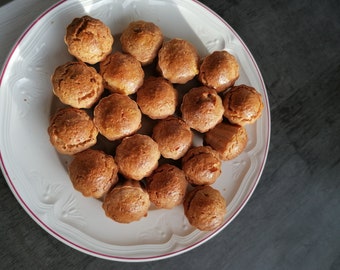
[{"x": 37, "y": 175}]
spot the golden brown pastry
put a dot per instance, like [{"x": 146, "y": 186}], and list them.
[
  {"x": 93, "y": 173},
  {"x": 71, "y": 131},
  {"x": 117, "y": 116},
  {"x": 88, "y": 39},
  {"x": 242, "y": 105},
  {"x": 167, "y": 186},
  {"x": 219, "y": 70},
  {"x": 205, "y": 208},
  {"x": 142, "y": 40},
  {"x": 122, "y": 73},
  {"x": 178, "y": 61},
  {"x": 173, "y": 136},
  {"x": 137, "y": 156},
  {"x": 157, "y": 98},
  {"x": 227, "y": 139},
  {"x": 127, "y": 202},
  {"x": 202, "y": 108},
  {"x": 77, "y": 84},
  {"x": 201, "y": 165}
]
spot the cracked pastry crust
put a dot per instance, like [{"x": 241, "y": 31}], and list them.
[
  {"x": 227, "y": 139},
  {"x": 178, "y": 61},
  {"x": 202, "y": 108},
  {"x": 174, "y": 137},
  {"x": 242, "y": 105},
  {"x": 88, "y": 39},
  {"x": 77, "y": 84},
  {"x": 142, "y": 40},
  {"x": 93, "y": 173},
  {"x": 167, "y": 186},
  {"x": 157, "y": 98},
  {"x": 127, "y": 202},
  {"x": 122, "y": 73},
  {"x": 137, "y": 156},
  {"x": 219, "y": 70},
  {"x": 71, "y": 131},
  {"x": 117, "y": 116},
  {"x": 205, "y": 208},
  {"x": 201, "y": 165}
]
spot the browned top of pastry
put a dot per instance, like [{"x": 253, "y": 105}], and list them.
[
  {"x": 227, "y": 139},
  {"x": 167, "y": 186},
  {"x": 219, "y": 70},
  {"x": 127, "y": 202},
  {"x": 173, "y": 136},
  {"x": 88, "y": 39},
  {"x": 71, "y": 131},
  {"x": 142, "y": 40},
  {"x": 77, "y": 84},
  {"x": 93, "y": 173},
  {"x": 205, "y": 208},
  {"x": 178, "y": 61},
  {"x": 117, "y": 116},
  {"x": 242, "y": 105},
  {"x": 202, "y": 108},
  {"x": 137, "y": 156},
  {"x": 201, "y": 165},
  {"x": 157, "y": 98},
  {"x": 122, "y": 73}
]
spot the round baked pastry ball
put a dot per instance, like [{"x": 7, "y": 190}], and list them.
[
  {"x": 93, "y": 173},
  {"x": 142, "y": 40},
  {"x": 77, "y": 84},
  {"x": 117, "y": 116},
  {"x": 242, "y": 105},
  {"x": 157, "y": 98},
  {"x": 202, "y": 108},
  {"x": 205, "y": 208},
  {"x": 201, "y": 165},
  {"x": 122, "y": 73},
  {"x": 137, "y": 156},
  {"x": 219, "y": 70},
  {"x": 178, "y": 61},
  {"x": 71, "y": 131},
  {"x": 173, "y": 136},
  {"x": 88, "y": 39},
  {"x": 127, "y": 202},
  {"x": 167, "y": 186},
  {"x": 227, "y": 139}
]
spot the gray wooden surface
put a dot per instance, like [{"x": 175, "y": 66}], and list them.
[{"x": 292, "y": 221}]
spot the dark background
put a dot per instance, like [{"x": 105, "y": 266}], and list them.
[{"x": 292, "y": 221}]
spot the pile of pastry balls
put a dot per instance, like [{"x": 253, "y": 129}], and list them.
[{"x": 108, "y": 93}]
